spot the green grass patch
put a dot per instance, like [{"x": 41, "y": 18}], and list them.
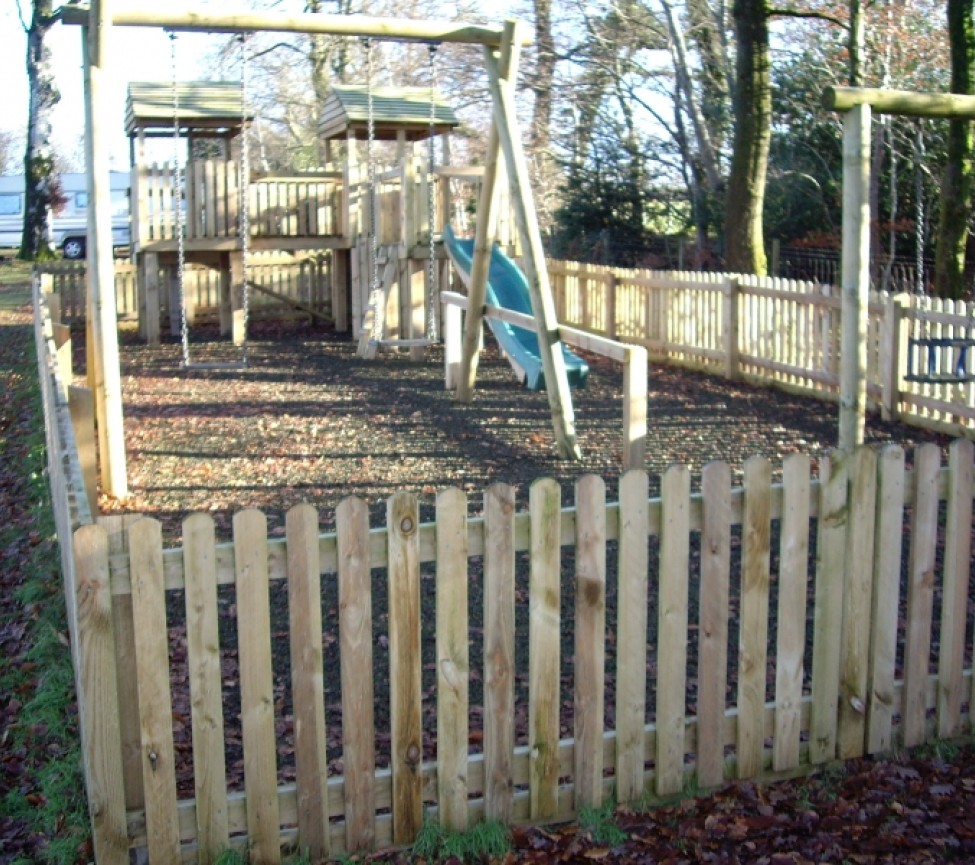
[
  {"x": 48, "y": 791},
  {"x": 434, "y": 844},
  {"x": 601, "y": 825}
]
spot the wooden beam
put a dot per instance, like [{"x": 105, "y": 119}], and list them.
[
  {"x": 855, "y": 279},
  {"x": 533, "y": 259},
  {"x": 903, "y": 102},
  {"x": 404, "y": 29},
  {"x": 481, "y": 260},
  {"x": 101, "y": 262}
]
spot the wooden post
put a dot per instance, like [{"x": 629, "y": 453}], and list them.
[
  {"x": 893, "y": 347},
  {"x": 732, "y": 356},
  {"x": 452, "y": 348},
  {"x": 635, "y": 408},
  {"x": 81, "y": 404},
  {"x": 340, "y": 289},
  {"x": 855, "y": 275},
  {"x": 237, "y": 276},
  {"x": 101, "y": 264},
  {"x": 150, "y": 307},
  {"x": 533, "y": 258}
]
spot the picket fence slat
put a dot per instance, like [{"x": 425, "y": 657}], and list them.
[
  {"x": 453, "y": 662},
  {"x": 155, "y": 700},
  {"x": 355, "y": 654},
  {"x": 545, "y": 629},
  {"x": 631, "y": 657},
  {"x": 713, "y": 624},
  {"x": 791, "y": 613},
  {"x": 307, "y": 677},
  {"x": 753, "y": 638},
  {"x": 672, "y": 600},
  {"x": 98, "y": 697},
  {"x": 957, "y": 563},
  {"x": 499, "y": 651},
  {"x": 886, "y": 599},
  {"x": 256, "y": 685},
  {"x": 855, "y": 633},
  {"x": 205, "y": 674},
  {"x": 828, "y": 616},
  {"x": 920, "y": 591},
  {"x": 590, "y": 639},
  {"x": 405, "y": 667}
]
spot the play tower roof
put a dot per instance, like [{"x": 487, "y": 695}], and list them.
[
  {"x": 212, "y": 107},
  {"x": 395, "y": 110}
]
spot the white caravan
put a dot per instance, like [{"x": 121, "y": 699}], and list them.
[{"x": 69, "y": 226}]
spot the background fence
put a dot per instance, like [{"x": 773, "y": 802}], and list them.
[{"x": 782, "y": 332}]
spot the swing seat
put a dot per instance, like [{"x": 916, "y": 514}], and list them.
[
  {"x": 923, "y": 354},
  {"x": 216, "y": 365}
]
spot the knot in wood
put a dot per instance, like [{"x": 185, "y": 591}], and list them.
[
  {"x": 406, "y": 525},
  {"x": 413, "y": 754}
]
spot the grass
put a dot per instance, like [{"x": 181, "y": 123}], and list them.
[
  {"x": 600, "y": 823},
  {"x": 49, "y": 797},
  {"x": 434, "y": 844},
  {"x": 12, "y": 272}
]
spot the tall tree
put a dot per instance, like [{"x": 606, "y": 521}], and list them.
[
  {"x": 43, "y": 193},
  {"x": 744, "y": 250},
  {"x": 959, "y": 178}
]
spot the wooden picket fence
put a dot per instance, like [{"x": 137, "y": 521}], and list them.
[
  {"x": 305, "y": 280},
  {"x": 787, "y": 596},
  {"x": 736, "y": 631},
  {"x": 777, "y": 331}
]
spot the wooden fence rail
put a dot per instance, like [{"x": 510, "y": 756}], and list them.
[{"x": 711, "y": 571}]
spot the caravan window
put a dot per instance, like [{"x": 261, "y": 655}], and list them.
[
  {"x": 10, "y": 204},
  {"x": 81, "y": 201}
]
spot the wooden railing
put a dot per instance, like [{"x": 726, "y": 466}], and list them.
[
  {"x": 305, "y": 280},
  {"x": 280, "y": 206},
  {"x": 773, "y": 330},
  {"x": 825, "y": 686}
]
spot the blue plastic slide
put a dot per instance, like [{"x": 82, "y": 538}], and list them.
[{"x": 507, "y": 287}]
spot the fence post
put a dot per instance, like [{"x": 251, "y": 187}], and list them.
[
  {"x": 635, "y": 408},
  {"x": 731, "y": 292},
  {"x": 453, "y": 345},
  {"x": 893, "y": 348}
]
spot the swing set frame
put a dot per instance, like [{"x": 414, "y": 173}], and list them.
[{"x": 501, "y": 48}]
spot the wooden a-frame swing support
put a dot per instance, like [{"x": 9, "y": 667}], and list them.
[
  {"x": 501, "y": 51},
  {"x": 857, "y": 105}
]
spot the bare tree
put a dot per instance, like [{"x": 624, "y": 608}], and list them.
[{"x": 43, "y": 193}]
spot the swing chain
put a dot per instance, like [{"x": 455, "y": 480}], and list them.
[
  {"x": 178, "y": 204},
  {"x": 431, "y": 202},
  {"x": 375, "y": 293},
  {"x": 245, "y": 230}
]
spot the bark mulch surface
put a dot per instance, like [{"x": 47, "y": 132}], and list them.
[{"x": 307, "y": 421}]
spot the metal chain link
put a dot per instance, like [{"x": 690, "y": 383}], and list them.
[
  {"x": 431, "y": 200},
  {"x": 376, "y": 300},
  {"x": 245, "y": 227},
  {"x": 184, "y": 329}
]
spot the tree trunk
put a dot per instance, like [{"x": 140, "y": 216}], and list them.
[
  {"x": 42, "y": 190},
  {"x": 745, "y": 252},
  {"x": 959, "y": 181}
]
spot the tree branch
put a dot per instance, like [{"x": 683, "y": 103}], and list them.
[{"x": 799, "y": 13}]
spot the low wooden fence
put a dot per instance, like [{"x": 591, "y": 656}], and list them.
[
  {"x": 774, "y": 330},
  {"x": 326, "y": 691},
  {"x": 785, "y": 596},
  {"x": 304, "y": 280}
]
